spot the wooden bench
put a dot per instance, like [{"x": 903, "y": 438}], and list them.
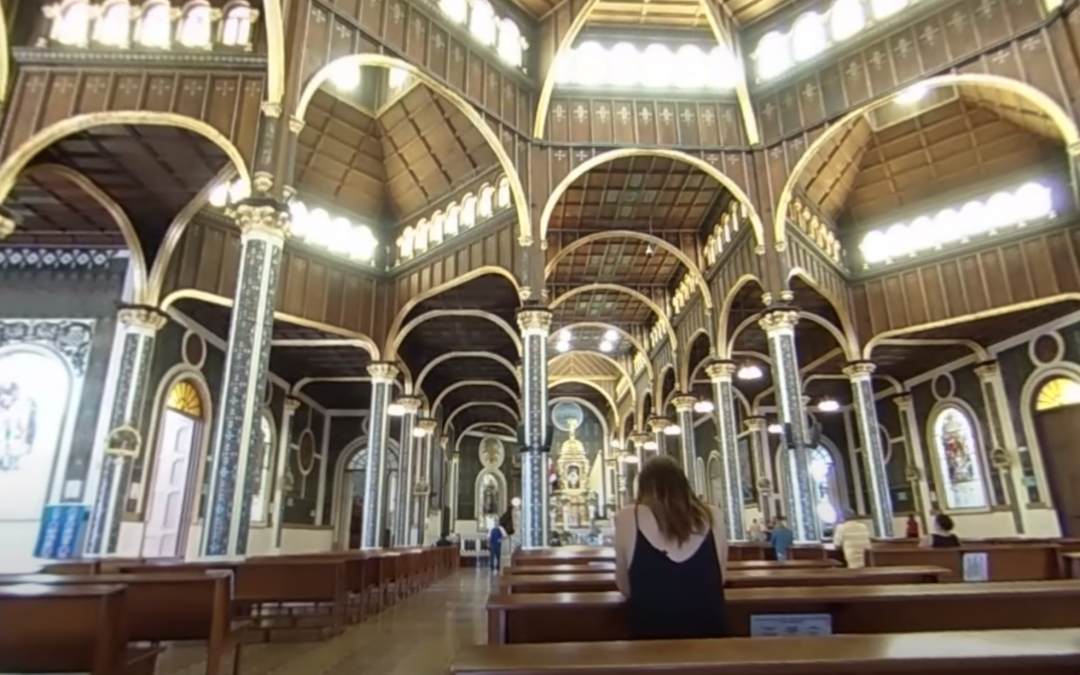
[
  {"x": 1005, "y": 562},
  {"x": 584, "y": 617},
  {"x": 169, "y": 607},
  {"x": 588, "y": 582},
  {"x": 1071, "y": 563},
  {"x": 1004, "y": 652},
  {"x": 732, "y": 565},
  {"x": 69, "y": 629}
]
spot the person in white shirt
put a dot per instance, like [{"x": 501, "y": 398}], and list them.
[{"x": 852, "y": 537}]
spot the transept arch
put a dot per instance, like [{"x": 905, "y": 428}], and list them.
[
  {"x": 637, "y": 295},
  {"x": 478, "y": 404},
  {"x": 1068, "y": 128},
  {"x": 476, "y": 383},
  {"x": 400, "y": 336},
  {"x": 419, "y": 383},
  {"x": 510, "y": 171}
]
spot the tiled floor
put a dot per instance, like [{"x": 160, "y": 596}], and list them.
[{"x": 416, "y": 637}]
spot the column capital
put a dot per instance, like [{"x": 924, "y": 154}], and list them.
[
  {"x": 444, "y": 442},
  {"x": 987, "y": 370},
  {"x": 640, "y": 438},
  {"x": 534, "y": 320},
  {"x": 262, "y": 219},
  {"x": 142, "y": 318},
  {"x": 902, "y": 400},
  {"x": 779, "y": 319},
  {"x": 7, "y": 225},
  {"x": 292, "y": 404},
  {"x": 1074, "y": 149},
  {"x": 383, "y": 371},
  {"x": 427, "y": 424},
  {"x": 410, "y": 404},
  {"x": 756, "y": 423},
  {"x": 658, "y": 424},
  {"x": 857, "y": 369},
  {"x": 720, "y": 371},
  {"x": 684, "y": 402}
]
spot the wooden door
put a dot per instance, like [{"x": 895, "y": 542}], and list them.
[
  {"x": 1059, "y": 439},
  {"x": 165, "y": 519}
]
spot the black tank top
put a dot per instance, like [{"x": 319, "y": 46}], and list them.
[
  {"x": 944, "y": 541},
  {"x": 673, "y": 600}
]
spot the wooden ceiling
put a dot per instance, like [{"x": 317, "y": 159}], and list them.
[
  {"x": 607, "y": 306},
  {"x": 587, "y": 338},
  {"x": 151, "y": 172},
  {"x": 902, "y": 155},
  {"x": 661, "y": 13},
  {"x": 615, "y": 260},
  {"x": 584, "y": 392},
  {"x": 387, "y": 166}
]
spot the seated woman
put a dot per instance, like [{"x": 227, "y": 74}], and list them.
[
  {"x": 670, "y": 556},
  {"x": 943, "y": 536}
]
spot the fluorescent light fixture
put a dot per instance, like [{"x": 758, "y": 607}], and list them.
[
  {"x": 828, "y": 405},
  {"x": 606, "y": 346},
  {"x": 912, "y": 94},
  {"x": 775, "y": 429},
  {"x": 562, "y": 346},
  {"x": 418, "y": 432},
  {"x": 750, "y": 371},
  {"x": 704, "y": 407},
  {"x": 672, "y": 430},
  {"x": 565, "y": 336},
  {"x": 395, "y": 410},
  {"x": 611, "y": 336}
]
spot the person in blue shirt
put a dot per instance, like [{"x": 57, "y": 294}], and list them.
[
  {"x": 495, "y": 540},
  {"x": 781, "y": 537}
]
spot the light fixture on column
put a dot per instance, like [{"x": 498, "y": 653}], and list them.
[
  {"x": 775, "y": 428},
  {"x": 672, "y": 430},
  {"x": 395, "y": 409},
  {"x": 631, "y": 458},
  {"x": 749, "y": 371},
  {"x": 828, "y": 405},
  {"x": 419, "y": 432},
  {"x": 650, "y": 445},
  {"x": 704, "y": 406}
]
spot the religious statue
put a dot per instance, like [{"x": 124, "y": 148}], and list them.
[
  {"x": 491, "y": 453},
  {"x": 18, "y": 426},
  {"x": 489, "y": 498},
  {"x": 958, "y": 456}
]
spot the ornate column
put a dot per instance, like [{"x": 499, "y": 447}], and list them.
[
  {"x": 141, "y": 325},
  {"x": 403, "y": 499},
  {"x": 639, "y": 440},
  {"x": 535, "y": 324},
  {"x": 264, "y": 226},
  {"x": 916, "y": 465},
  {"x": 374, "y": 524},
  {"x": 1005, "y": 452},
  {"x": 423, "y": 483},
  {"x": 281, "y": 469},
  {"x": 759, "y": 455},
  {"x": 862, "y": 391},
  {"x": 779, "y": 326},
  {"x": 684, "y": 409},
  {"x": 720, "y": 374},
  {"x": 657, "y": 426},
  {"x": 452, "y": 489}
]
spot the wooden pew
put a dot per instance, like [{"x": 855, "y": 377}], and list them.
[
  {"x": 585, "y": 617},
  {"x": 732, "y": 565},
  {"x": 1006, "y": 562},
  {"x": 999, "y": 652},
  {"x": 587, "y": 582},
  {"x": 1071, "y": 562},
  {"x": 69, "y": 629},
  {"x": 168, "y": 607}
]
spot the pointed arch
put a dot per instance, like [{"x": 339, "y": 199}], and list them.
[
  {"x": 637, "y": 295},
  {"x": 477, "y": 383},
  {"x": 661, "y": 381},
  {"x": 455, "y": 99},
  {"x": 15, "y": 163},
  {"x": 691, "y": 268},
  {"x": 676, "y": 155},
  {"x": 1069, "y": 133},
  {"x": 418, "y": 385}
]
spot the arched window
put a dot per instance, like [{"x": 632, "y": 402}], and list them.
[
  {"x": 846, "y": 18},
  {"x": 195, "y": 26},
  {"x": 510, "y": 43},
  {"x": 624, "y": 65},
  {"x": 958, "y": 459},
  {"x": 502, "y": 197},
  {"x": 885, "y": 8},
  {"x": 487, "y": 199},
  {"x": 456, "y": 10},
  {"x": 264, "y": 453},
  {"x": 420, "y": 243},
  {"x": 236, "y": 29},
  {"x": 691, "y": 68},
  {"x": 405, "y": 244},
  {"x": 184, "y": 398},
  {"x": 1058, "y": 393},
  {"x": 72, "y": 26},
  {"x": 590, "y": 64},
  {"x": 468, "y": 211},
  {"x": 823, "y": 476},
  {"x": 113, "y": 27},
  {"x": 722, "y": 68},
  {"x": 435, "y": 234},
  {"x": 656, "y": 66},
  {"x": 773, "y": 55},
  {"x": 808, "y": 37},
  {"x": 453, "y": 221},
  {"x": 155, "y": 25},
  {"x": 482, "y": 22}
]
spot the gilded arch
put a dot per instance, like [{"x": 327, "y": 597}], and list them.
[{"x": 637, "y": 295}]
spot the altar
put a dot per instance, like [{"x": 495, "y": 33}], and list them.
[{"x": 573, "y": 504}]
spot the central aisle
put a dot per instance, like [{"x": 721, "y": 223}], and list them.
[{"x": 416, "y": 637}]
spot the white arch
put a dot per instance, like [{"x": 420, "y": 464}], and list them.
[
  {"x": 637, "y": 295},
  {"x": 504, "y": 493},
  {"x": 556, "y": 381},
  {"x": 476, "y": 404},
  {"x": 780, "y": 468},
  {"x": 477, "y": 383},
  {"x": 982, "y": 453},
  {"x": 439, "y": 313},
  {"x": 622, "y": 333},
  {"x": 342, "y": 521},
  {"x": 475, "y": 425},
  {"x": 1032, "y": 386},
  {"x": 463, "y": 355}
]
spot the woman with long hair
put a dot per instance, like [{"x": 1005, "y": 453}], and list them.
[{"x": 670, "y": 556}]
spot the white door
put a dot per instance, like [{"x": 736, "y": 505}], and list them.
[{"x": 165, "y": 518}]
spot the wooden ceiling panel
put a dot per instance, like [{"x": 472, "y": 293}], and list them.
[
  {"x": 621, "y": 260},
  {"x": 587, "y": 338},
  {"x": 652, "y": 13},
  {"x": 53, "y": 211},
  {"x": 831, "y": 171},
  {"x": 538, "y": 8},
  {"x": 614, "y": 307},
  {"x": 1016, "y": 109}
]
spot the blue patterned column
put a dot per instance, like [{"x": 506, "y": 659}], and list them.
[
  {"x": 535, "y": 324},
  {"x": 684, "y": 408},
  {"x": 133, "y": 372},
  {"x": 452, "y": 489},
  {"x": 403, "y": 500},
  {"x": 374, "y": 524},
  {"x": 425, "y": 445},
  {"x": 759, "y": 456},
  {"x": 873, "y": 452},
  {"x": 1005, "y": 456},
  {"x": 723, "y": 390},
  {"x": 779, "y": 326},
  {"x": 263, "y": 228},
  {"x": 639, "y": 439},
  {"x": 292, "y": 404},
  {"x": 657, "y": 426}
]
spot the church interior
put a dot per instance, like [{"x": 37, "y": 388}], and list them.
[{"x": 301, "y": 299}]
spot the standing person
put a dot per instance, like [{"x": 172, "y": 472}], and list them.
[
  {"x": 495, "y": 541},
  {"x": 670, "y": 558},
  {"x": 943, "y": 536},
  {"x": 755, "y": 531},
  {"x": 852, "y": 537},
  {"x": 781, "y": 537},
  {"x": 911, "y": 528}
]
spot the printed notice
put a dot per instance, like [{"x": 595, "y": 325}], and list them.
[
  {"x": 976, "y": 567},
  {"x": 790, "y": 625}
]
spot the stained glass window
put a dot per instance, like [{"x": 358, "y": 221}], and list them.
[
  {"x": 959, "y": 460},
  {"x": 155, "y": 25},
  {"x": 825, "y": 484},
  {"x": 184, "y": 398},
  {"x": 73, "y": 28},
  {"x": 1058, "y": 393},
  {"x": 237, "y": 27},
  {"x": 195, "y": 26}
]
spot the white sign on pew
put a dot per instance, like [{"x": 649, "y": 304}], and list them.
[
  {"x": 976, "y": 567},
  {"x": 790, "y": 625}
]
